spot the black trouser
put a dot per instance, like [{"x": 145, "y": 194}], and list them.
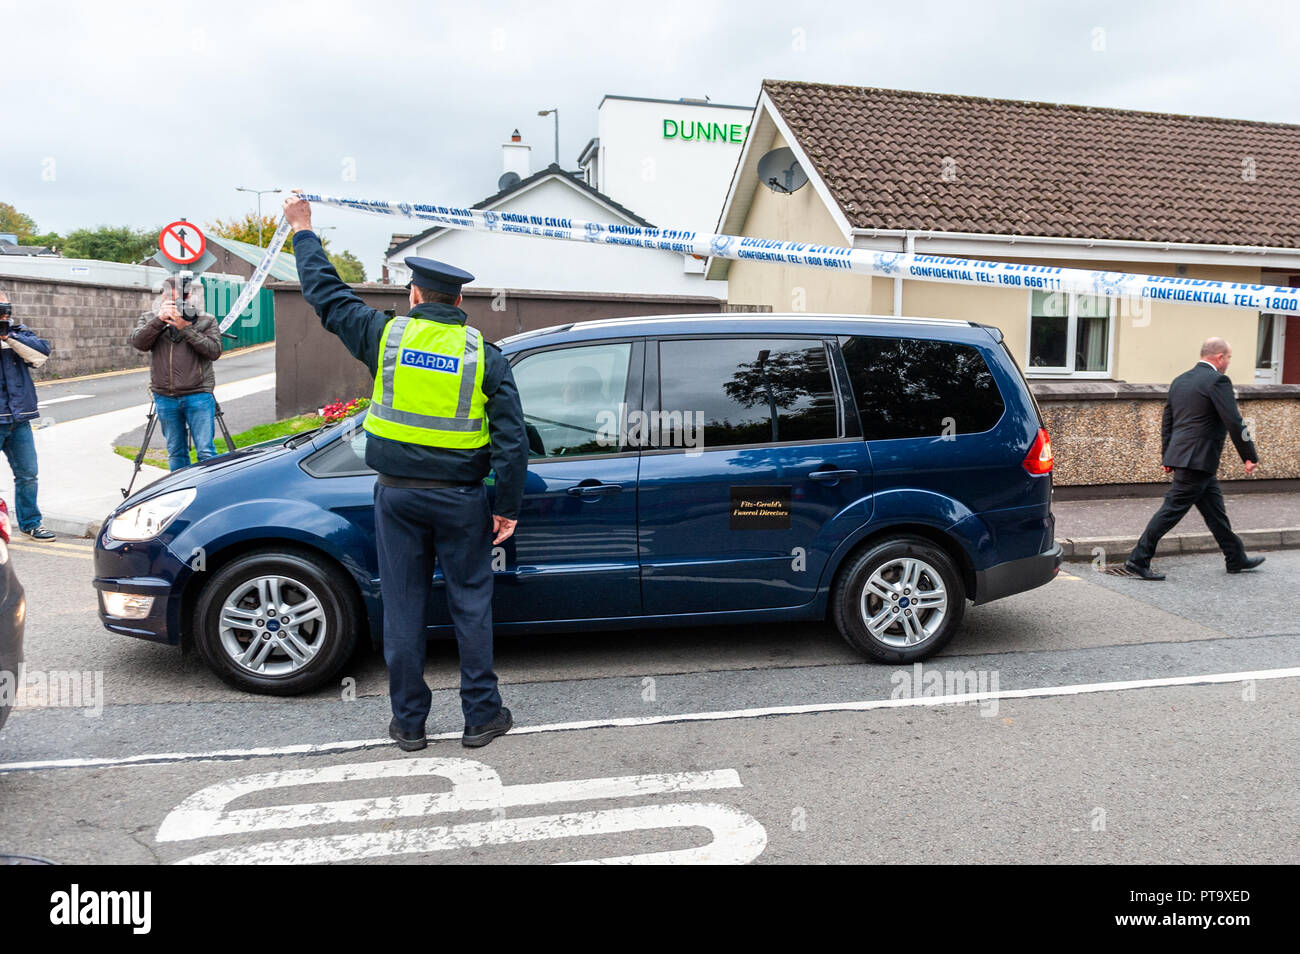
[
  {"x": 1199, "y": 488},
  {"x": 411, "y": 526}
]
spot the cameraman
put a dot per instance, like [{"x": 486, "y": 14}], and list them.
[
  {"x": 20, "y": 350},
  {"x": 183, "y": 341}
]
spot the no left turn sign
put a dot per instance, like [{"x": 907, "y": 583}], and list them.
[{"x": 182, "y": 242}]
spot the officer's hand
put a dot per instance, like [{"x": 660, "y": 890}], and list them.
[
  {"x": 298, "y": 211},
  {"x": 1250, "y": 466},
  {"x": 503, "y": 528}
]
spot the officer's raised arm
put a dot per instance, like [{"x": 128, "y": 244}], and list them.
[{"x": 341, "y": 311}]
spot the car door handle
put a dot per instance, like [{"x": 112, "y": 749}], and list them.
[
  {"x": 830, "y": 476},
  {"x": 587, "y": 491}
]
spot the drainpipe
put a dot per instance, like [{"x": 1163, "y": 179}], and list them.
[{"x": 909, "y": 246}]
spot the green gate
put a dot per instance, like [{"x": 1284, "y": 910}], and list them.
[{"x": 258, "y": 322}]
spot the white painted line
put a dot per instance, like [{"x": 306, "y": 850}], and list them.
[
  {"x": 637, "y": 721},
  {"x": 68, "y": 397},
  {"x": 737, "y": 838},
  {"x": 475, "y": 787}
]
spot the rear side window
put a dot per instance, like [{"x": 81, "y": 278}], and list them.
[
  {"x": 910, "y": 387},
  {"x": 745, "y": 391}
]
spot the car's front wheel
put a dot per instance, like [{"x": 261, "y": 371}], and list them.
[
  {"x": 276, "y": 623},
  {"x": 899, "y": 600}
]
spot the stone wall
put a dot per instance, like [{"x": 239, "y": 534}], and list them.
[
  {"x": 1109, "y": 432},
  {"x": 88, "y": 325}
]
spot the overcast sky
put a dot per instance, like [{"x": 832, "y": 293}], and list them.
[{"x": 135, "y": 114}]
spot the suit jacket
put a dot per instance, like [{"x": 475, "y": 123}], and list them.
[{"x": 1200, "y": 412}]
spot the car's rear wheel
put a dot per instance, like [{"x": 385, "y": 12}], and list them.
[
  {"x": 899, "y": 600},
  {"x": 276, "y": 623}
]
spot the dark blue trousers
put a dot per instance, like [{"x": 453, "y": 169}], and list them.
[{"x": 411, "y": 526}]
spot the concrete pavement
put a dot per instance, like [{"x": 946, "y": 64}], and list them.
[
  {"x": 1111, "y": 527},
  {"x": 80, "y": 476}
]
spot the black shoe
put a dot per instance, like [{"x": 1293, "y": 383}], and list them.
[
  {"x": 407, "y": 741},
  {"x": 1248, "y": 564},
  {"x": 40, "y": 533},
  {"x": 477, "y": 735},
  {"x": 1143, "y": 572}
]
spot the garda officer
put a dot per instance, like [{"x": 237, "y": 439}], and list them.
[{"x": 445, "y": 409}]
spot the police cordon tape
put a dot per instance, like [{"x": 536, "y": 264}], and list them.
[
  {"x": 927, "y": 268},
  {"x": 259, "y": 275}
]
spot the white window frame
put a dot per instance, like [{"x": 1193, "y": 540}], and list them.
[{"x": 1071, "y": 330}]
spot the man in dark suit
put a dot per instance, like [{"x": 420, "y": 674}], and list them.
[{"x": 1200, "y": 412}]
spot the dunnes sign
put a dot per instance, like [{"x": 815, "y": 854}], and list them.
[{"x": 694, "y": 131}]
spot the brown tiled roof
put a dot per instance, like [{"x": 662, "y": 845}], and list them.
[{"x": 1045, "y": 169}]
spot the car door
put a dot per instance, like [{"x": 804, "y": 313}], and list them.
[
  {"x": 757, "y": 471},
  {"x": 574, "y": 553}
]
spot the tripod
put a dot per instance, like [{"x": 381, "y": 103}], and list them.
[{"x": 148, "y": 435}]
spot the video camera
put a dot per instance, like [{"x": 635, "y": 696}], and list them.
[
  {"x": 6, "y": 314},
  {"x": 181, "y": 281}
]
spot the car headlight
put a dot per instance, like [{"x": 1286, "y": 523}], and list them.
[{"x": 146, "y": 520}]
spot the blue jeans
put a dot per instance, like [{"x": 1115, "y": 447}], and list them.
[
  {"x": 185, "y": 417},
  {"x": 20, "y": 448}
]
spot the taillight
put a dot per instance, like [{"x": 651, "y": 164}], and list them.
[
  {"x": 4, "y": 521},
  {"x": 1039, "y": 459}
]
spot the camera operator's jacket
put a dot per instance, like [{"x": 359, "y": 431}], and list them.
[
  {"x": 181, "y": 358},
  {"x": 20, "y": 351}
]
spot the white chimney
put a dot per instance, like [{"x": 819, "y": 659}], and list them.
[{"x": 515, "y": 154}]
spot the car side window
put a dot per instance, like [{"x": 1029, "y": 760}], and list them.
[
  {"x": 911, "y": 387},
  {"x": 345, "y": 457},
  {"x": 719, "y": 392},
  {"x": 572, "y": 399}
]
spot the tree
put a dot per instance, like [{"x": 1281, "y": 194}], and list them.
[
  {"x": 48, "y": 240},
  {"x": 107, "y": 243},
  {"x": 11, "y": 220},
  {"x": 348, "y": 266},
  {"x": 245, "y": 230}
]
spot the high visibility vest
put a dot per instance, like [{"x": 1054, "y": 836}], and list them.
[{"x": 429, "y": 385}]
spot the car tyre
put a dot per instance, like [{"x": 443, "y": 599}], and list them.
[
  {"x": 899, "y": 600},
  {"x": 309, "y": 638}
]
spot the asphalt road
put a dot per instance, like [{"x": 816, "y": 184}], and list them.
[
  {"x": 770, "y": 744},
  {"x": 71, "y": 400}
]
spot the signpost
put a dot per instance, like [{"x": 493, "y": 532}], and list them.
[{"x": 182, "y": 242}]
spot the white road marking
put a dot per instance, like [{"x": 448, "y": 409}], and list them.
[
  {"x": 327, "y": 748},
  {"x": 67, "y": 397},
  {"x": 475, "y": 787},
  {"x": 737, "y": 837}
]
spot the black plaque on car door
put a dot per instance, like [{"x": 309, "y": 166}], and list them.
[{"x": 760, "y": 508}]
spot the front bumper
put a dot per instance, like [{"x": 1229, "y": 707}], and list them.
[
  {"x": 148, "y": 569},
  {"x": 1017, "y": 576}
]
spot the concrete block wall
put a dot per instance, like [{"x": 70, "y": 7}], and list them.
[{"x": 87, "y": 325}]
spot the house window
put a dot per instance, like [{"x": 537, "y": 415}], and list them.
[{"x": 1069, "y": 334}]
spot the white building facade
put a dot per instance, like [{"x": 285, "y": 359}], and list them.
[{"x": 666, "y": 163}]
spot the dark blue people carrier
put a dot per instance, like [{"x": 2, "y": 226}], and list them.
[{"x": 875, "y": 472}]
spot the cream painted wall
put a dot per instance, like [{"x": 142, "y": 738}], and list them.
[
  {"x": 1147, "y": 349},
  {"x": 804, "y": 218}
]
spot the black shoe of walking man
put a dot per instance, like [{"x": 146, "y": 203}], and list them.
[{"x": 407, "y": 741}]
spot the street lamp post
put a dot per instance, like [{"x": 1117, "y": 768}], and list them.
[
  {"x": 260, "y": 193},
  {"x": 548, "y": 112}
]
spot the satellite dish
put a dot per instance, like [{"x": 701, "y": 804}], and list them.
[
  {"x": 508, "y": 180},
  {"x": 780, "y": 171}
]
